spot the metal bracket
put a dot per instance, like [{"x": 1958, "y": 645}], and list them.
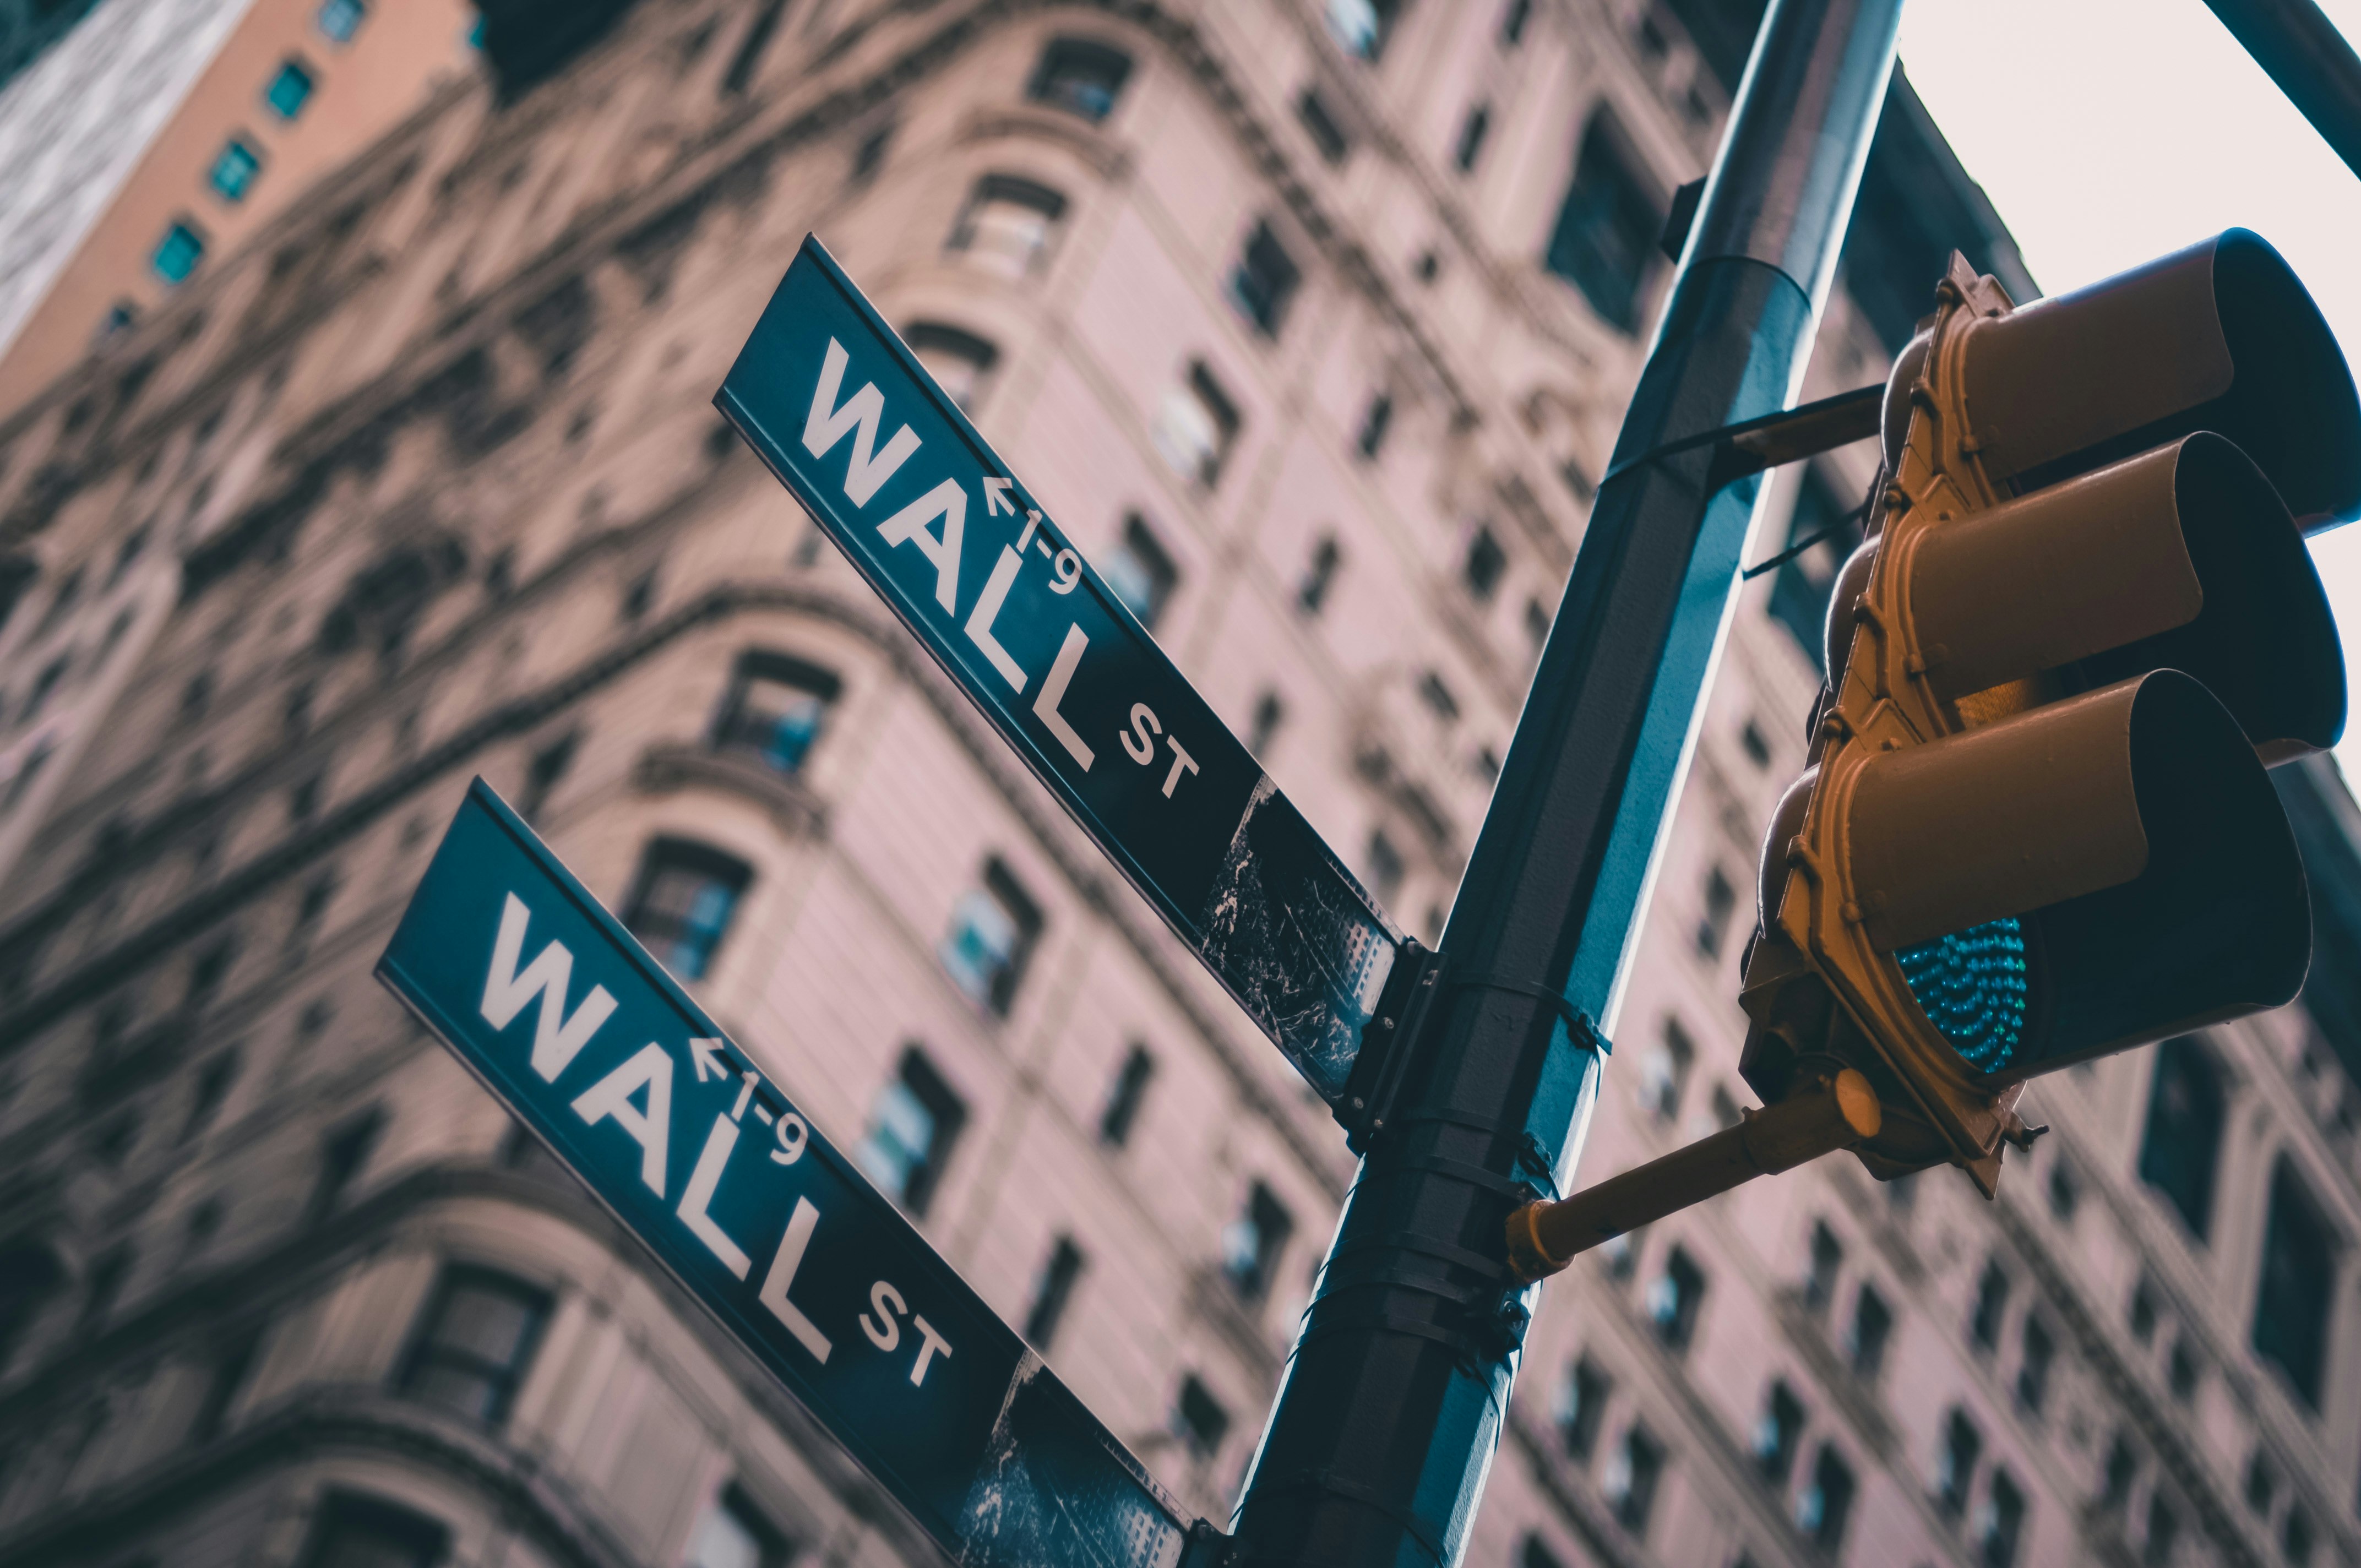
[
  {"x": 1751, "y": 446},
  {"x": 1386, "y": 1045}
]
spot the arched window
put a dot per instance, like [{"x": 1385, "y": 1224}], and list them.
[
  {"x": 1081, "y": 76},
  {"x": 958, "y": 359},
  {"x": 1606, "y": 232},
  {"x": 1008, "y": 224},
  {"x": 775, "y": 709},
  {"x": 356, "y": 1531},
  {"x": 681, "y": 908},
  {"x": 2184, "y": 1130}
]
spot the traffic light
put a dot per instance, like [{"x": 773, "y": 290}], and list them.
[{"x": 2036, "y": 826}]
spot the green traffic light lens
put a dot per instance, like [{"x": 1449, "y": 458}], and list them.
[{"x": 1971, "y": 986}]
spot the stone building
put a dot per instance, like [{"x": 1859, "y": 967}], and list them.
[{"x": 1311, "y": 321}]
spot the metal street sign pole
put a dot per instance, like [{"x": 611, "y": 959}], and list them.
[
  {"x": 1394, "y": 1397},
  {"x": 2301, "y": 50},
  {"x": 545, "y": 998}
]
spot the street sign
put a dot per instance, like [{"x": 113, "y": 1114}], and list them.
[
  {"x": 852, "y": 422},
  {"x": 547, "y": 999}
]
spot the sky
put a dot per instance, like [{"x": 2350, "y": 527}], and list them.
[{"x": 2109, "y": 132}]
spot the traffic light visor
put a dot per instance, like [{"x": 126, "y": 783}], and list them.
[
  {"x": 2083, "y": 877},
  {"x": 2222, "y": 336},
  {"x": 2183, "y": 557}
]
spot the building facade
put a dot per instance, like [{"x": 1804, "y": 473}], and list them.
[
  {"x": 161, "y": 132},
  {"x": 1311, "y": 321}
]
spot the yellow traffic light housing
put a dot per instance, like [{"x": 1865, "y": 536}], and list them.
[{"x": 2037, "y": 827}]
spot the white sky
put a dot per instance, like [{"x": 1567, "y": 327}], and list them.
[{"x": 2107, "y": 132}]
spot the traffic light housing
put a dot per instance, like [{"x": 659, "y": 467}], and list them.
[{"x": 2036, "y": 826}]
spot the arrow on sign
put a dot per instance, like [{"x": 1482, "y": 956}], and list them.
[
  {"x": 707, "y": 1055},
  {"x": 995, "y": 497}
]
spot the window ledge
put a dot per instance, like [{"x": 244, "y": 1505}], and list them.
[
  {"x": 1078, "y": 136},
  {"x": 799, "y": 813}
]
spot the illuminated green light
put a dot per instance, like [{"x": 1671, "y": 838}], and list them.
[{"x": 1971, "y": 986}]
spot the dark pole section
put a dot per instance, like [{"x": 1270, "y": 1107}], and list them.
[
  {"x": 2302, "y": 51},
  {"x": 1392, "y": 1402}
]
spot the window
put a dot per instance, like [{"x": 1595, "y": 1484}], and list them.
[
  {"x": 1665, "y": 1071},
  {"x": 1008, "y": 224},
  {"x": 1828, "y": 1256},
  {"x": 1140, "y": 572},
  {"x": 912, "y": 1127},
  {"x": 1472, "y": 132},
  {"x": 1387, "y": 868},
  {"x": 1319, "y": 576},
  {"x": 288, "y": 91},
  {"x": 1630, "y": 1482},
  {"x": 1269, "y": 713},
  {"x": 474, "y": 1344},
  {"x": 229, "y": 1370},
  {"x": 121, "y": 316},
  {"x": 775, "y": 709},
  {"x": 1777, "y": 1434},
  {"x": 1263, "y": 280},
  {"x": 682, "y": 906},
  {"x": 1799, "y": 593},
  {"x": 343, "y": 1153},
  {"x": 2143, "y": 1313},
  {"x": 1605, "y": 233},
  {"x": 2296, "y": 1538},
  {"x": 2065, "y": 1192},
  {"x": 1079, "y": 76},
  {"x": 1991, "y": 1304},
  {"x": 213, "y": 1081},
  {"x": 1955, "y": 1465},
  {"x": 1821, "y": 1511},
  {"x": 1485, "y": 564},
  {"x": 1720, "y": 904},
  {"x": 1362, "y": 26},
  {"x": 2115, "y": 1482},
  {"x": 1581, "y": 1407},
  {"x": 870, "y": 156},
  {"x": 1052, "y": 1291},
  {"x": 1873, "y": 1325},
  {"x": 340, "y": 20},
  {"x": 2184, "y": 1130},
  {"x": 1437, "y": 697},
  {"x": 234, "y": 171},
  {"x": 1122, "y": 1110},
  {"x": 2181, "y": 1372},
  {"x": 1321, "y": 127},
  {"x": 2032, "y": 1371},
  {"x": 1196, "y": 427},
  {"x": 357, "y": 1531},
  {"x": 754, "y": 43},
  {"x": 2163, "y": 1532},
  {"x": 2299, "y": 1279},
  {"x": 1674, "y": 1297},
  {"x": 542, "y": 774},
  {"x": 2261, "y": 1486},
  {"x": 1199, "y": 1421},
  {"x": 177, "y": 253},
  {"x": 993, "y": 930},
  {"x": 1512, "y": 23},
  {"x": 2002, "y": 1521},
  {"x": 735, "y": 1534},
  {"x": 958, "y": 360},
  {"x": 1536, "y": 1553},
  {"x": 105, "y": 1286},
  {"x": 1252, "y": 1244}
]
